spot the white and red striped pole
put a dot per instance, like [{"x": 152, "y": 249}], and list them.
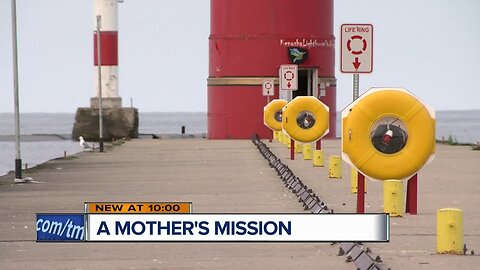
[{"x": 108, "y": 10}]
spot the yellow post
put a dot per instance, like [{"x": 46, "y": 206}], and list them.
[
  {"x": 353, "y": 180},
  {"x": 298, "y": 147},
  {"x": 307, "y": 151},
  {"x": 289, "y": 143},
  {"x": 318, "y": 158},
  {"x": 450, "y": 231},
  {"x": 393, "y": 198},
  {"x": 275, "y": 135},
  {"x": 335, "y": 167},
  {"x": 286, "y": 139}
]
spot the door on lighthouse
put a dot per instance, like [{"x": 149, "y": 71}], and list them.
[{"x": 307, "y": 80}]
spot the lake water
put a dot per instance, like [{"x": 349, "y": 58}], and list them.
[{"x": 462, "y": 126}]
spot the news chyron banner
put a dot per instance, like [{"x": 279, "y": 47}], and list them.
[
  {"x": 72, "y": 227},
  {"x": 234, "y": 227},
  {"x": 113, "y": 222},
  {"x": 138, "y": 207},
  {"x": 60, "y": 227}
]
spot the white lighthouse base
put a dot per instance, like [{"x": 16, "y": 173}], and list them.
[{"x": 107, "y": 102}]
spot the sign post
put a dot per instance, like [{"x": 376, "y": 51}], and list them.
[
  {"x": 289, "y": 81},
  {"x": 357, "y": 57},
  {"x": 289, "y": 77},
  {"x": 268, "y": 88},
  {"x": 360, "y": 176}
]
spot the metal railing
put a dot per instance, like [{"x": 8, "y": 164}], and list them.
[{"x": 360, "y": 255}]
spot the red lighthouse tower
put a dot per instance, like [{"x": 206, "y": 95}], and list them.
[{"x": 249, "y": 40}]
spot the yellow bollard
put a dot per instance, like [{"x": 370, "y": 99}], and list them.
[
  {"x": 289, "y": 142},
  {"x": 286, "y": 139},
  {"x": 354, "y": 180},
  {"x": 393, "y": 198},
  {"x": 298, "y": 147},
  {"x": 281, "y": 137},
  {"x": 335, "y": 167},
  {"x": 450, "y": 231},
  {"x": 275, "y": 135},
  {"x": 318, "y": 158},
  {"x": 307, "y": 151}
]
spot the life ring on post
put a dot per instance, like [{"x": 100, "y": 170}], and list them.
[
  {"x": 305, "y": 119},
  {"x": 388, "y": 134},
  {"x": 272, "y": 114}
]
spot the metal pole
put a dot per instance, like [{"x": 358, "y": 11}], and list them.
[
  {"x": 356, "y": 81},
  {"x": 318, "y": 144},
  {"x": 360, "y": 193},
  {"x": 412, "y": 197},
  {"x": 100, "y": 103},
  {"x": 18, "y": 159},
  {"x": 361, "y": 177},
  {"x": 292, "y": 149},
  {"x": 268, "y": 101}
]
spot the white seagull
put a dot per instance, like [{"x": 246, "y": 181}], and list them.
[{"x": 84, "y": 144}]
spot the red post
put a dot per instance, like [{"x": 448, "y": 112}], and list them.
[
  {"x": 292, "y": 149},
  {"x": 319, "y": 145},
  {"x": 412, "y": 193},
  {"x": 407, "y": 199},
  {"x": 360, "y": 193}
]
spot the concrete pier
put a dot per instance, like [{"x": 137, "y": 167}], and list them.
[{"x": 226, "y": 176}]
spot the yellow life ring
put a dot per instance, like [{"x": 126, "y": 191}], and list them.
[
  {"x": 305, "y": 119},
  {"x": 415, "y": 125},
  {"x": 272, "y": 114}
]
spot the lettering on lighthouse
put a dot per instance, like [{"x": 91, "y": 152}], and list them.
[{"x": 306, "y": 43}]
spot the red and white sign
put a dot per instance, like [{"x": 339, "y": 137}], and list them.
[
  {"x": 289, "y": 77},
  {"x": 356, "y": 48},
  {"x": 268, "y": 87}
]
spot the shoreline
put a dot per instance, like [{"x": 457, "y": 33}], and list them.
[
  {"x": 53, "y": 138},
  {"x": 189, "y": 136}
]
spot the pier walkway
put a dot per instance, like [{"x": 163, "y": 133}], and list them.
[{"x": 226, "y": 176}]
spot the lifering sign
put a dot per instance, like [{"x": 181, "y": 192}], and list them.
[
  {"x": 356, "y": 46},
  {"x": 268, "y": 87},
  {"x": 289, "y": 77}
]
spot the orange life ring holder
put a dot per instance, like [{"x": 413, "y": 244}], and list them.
[
  {"x": 272, "y": 114},
  {"x": 305, "y": 119},
  {"x": 359, "y": 118}
]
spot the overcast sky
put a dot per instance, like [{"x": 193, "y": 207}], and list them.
[{"x": 430, "y": 47}]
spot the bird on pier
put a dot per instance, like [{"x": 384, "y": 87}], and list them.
[{"x": 84, "y": 144}]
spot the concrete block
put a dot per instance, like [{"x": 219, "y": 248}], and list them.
[{"x": 117, "y": 123}]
